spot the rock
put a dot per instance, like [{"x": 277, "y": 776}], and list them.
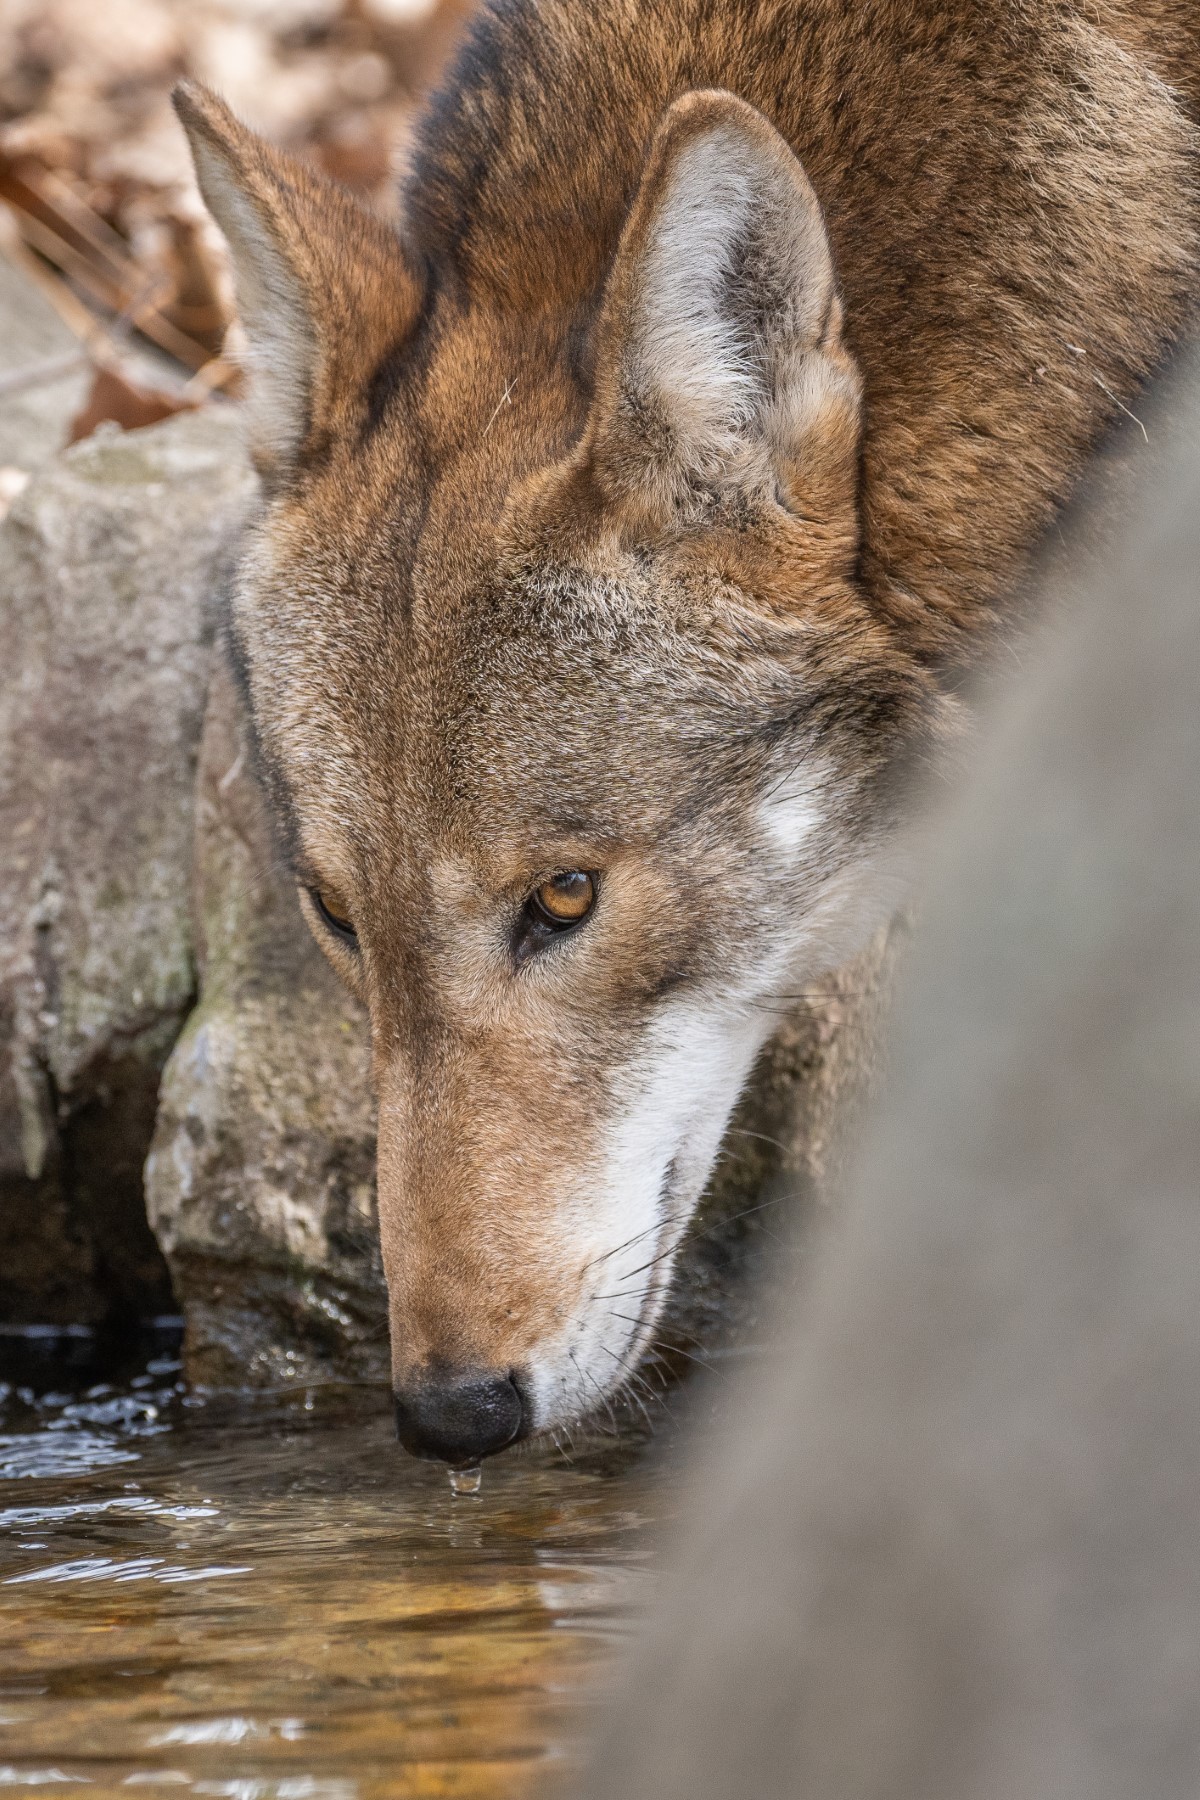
[
  {"x": 261, "y": 1181},
  {"x": 35, "y": 416},
  {"x": 109, "y": 563}
]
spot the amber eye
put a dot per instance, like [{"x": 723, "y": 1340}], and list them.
[
  {"x": 565, "y": 899},
  {"x": 332, "y": 911},
  {"x": 554, "y": 908}
]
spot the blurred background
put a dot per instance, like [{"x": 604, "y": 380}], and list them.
[{"x": 99, "y": 205}]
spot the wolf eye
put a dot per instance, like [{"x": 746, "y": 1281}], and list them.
[
  {"x": 332, "y": 913},
  {"x": 565, "y": 899},
  {"x": 555, "y": 906}
]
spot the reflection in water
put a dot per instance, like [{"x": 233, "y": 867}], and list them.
[{"x": 271, "y": 1602}]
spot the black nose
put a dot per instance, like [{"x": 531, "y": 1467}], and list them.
[{"x": 459, "y": 1417}]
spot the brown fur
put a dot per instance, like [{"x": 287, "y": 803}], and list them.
[{"x": 513, "y": 608}]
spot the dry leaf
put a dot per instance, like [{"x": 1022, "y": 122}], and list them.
[
  {"x": 94, "y": 167},
  {"x": 118, "y": 401}
]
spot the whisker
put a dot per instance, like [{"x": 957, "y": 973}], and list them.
[
  {"x": 640, "y": 1270},
  {"x": 641, "y": 1405},
  {"x": 655, "y": 1394},
  {"x": 741, "y": 1131},
  {"x": 556, "y": 1438},
  {"x": 701, "y": 1362},
  {"x": 703, "y": 1232},
  {"x": 603, "y": 1396},
  {"x": 604, "y": 1255},
  {"x": 661, "y": 1343},
  {"x": 629, "y": 1387},
  {"x": 810, "y": 994}
]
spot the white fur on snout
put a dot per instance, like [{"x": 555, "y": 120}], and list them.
[{"x": 656, "y": 1157}]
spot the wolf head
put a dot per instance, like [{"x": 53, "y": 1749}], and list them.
[{"x": 585, "y": 741}]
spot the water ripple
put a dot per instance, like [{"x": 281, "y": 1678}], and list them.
[
  {"x": 58, "y": 1454},
  {"x": 139, "y": 1568}
]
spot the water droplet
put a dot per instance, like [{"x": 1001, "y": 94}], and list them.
[{"x": 465, "y": 1481}]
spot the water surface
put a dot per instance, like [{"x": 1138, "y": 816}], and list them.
[{"x": 269, "y": 1601}]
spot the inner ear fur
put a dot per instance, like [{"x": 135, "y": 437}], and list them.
[
  {"x": 324, "y": 289},
  {"x": 720, "y": 361}
]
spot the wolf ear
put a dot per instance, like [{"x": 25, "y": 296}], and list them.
[
  {"x": 720, "y": 360},
  {"x": 323, "y": 287}
]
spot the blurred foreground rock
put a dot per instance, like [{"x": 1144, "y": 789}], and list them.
[
  {"x": 941, "y": 1542},
  {"x": 140, "y": 870},
  {"x": 109, "y": 562}
]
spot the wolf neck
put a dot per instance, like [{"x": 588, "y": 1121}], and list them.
[{"x": 531, "y": 154}]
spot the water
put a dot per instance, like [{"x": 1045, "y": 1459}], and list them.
[
  {"x": 465, "y": 1481},
  {"x": 269, "y": 1601}
]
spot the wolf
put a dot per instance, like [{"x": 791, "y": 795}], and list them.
[{"x": 633, "y": 514}]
